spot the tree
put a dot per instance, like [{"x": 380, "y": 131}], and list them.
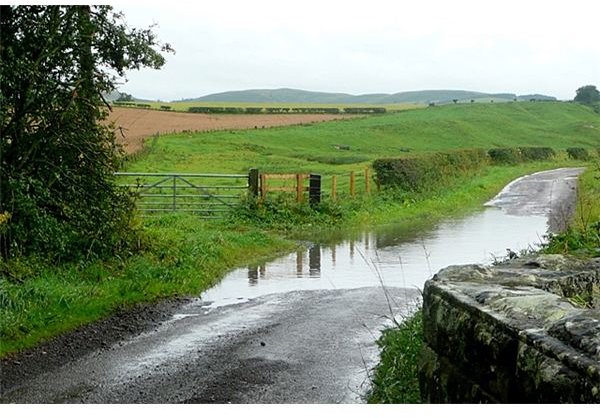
[
  {"x": 124, "y": 97},
  {"x": 57, "y": 193},
  {"x": 587, "y": 95}
]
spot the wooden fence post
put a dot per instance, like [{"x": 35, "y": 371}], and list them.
[
  {"x": 333, "y": 187},
  {"x": 314, "y": 189},
  {"x": 253, "y": 182},
  {"x": 299, "y": 187},
  {"x": 352, "y": 181},
  {"x": 263, "y": 186},
  {"x": 367, "y": 183}
]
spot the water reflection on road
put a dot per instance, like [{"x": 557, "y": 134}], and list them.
[{"x": 387, "y": 255}]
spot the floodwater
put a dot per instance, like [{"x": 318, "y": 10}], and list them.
[{"x": 389, "y": 256}]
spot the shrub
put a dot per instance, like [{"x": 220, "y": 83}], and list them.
[
  {"x": 165, "y": 108},
  {"x": 429, "y": 171},
  {"x": 234, "y": 110},
  {"x": 577, "y": 153},
  {"x": 205, "y": 109},
  {"x": 505, "y": 155},
  {"x": 536, "y": 153},
  {"x": 366, "y": 110},
  {"x": 277, "y": 109},
  {"x": 318, "y": 110}
]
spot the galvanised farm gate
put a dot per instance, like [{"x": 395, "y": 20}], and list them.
[{"x": 205, "y": 195}]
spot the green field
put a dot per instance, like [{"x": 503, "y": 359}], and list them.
[{"x": 340, "y": 146}]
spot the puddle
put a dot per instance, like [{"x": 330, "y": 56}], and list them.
[
  {"x": 393, "y": 258},
  {"x": 399, "y": 258}
]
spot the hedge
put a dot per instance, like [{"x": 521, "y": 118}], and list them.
[
  {"x": 578, "y": 153},
  {"x": 428, "y": 171},
  {"x": 519, "y": 155},
  {"x": 505, "y": 155},
  {"x": 414, "y": 174},
  {"x": 364, "y": 110},
  {"x": 536, "y": 153}
]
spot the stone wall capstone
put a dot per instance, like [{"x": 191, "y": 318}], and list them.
[{"x": 525, "y": 331}]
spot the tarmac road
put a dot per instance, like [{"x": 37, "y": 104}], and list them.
[{"x": 312, "y": 346}]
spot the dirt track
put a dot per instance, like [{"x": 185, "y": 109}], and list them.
[{"x": 134, "y": 125}]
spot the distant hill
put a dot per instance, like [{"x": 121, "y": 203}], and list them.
[
  {"x": 536, "y": 97},
  {"x": 285, "y": 95}
]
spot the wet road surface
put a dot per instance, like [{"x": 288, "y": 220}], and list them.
[{"x": 256, "y": 338}]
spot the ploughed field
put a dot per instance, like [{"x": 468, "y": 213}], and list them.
[{"x": 132, "y": 126}]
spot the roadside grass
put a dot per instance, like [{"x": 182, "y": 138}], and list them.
[
  {"x": 395, "y": 379},
  {"x": 582, "y": 237},
  {"x": 180, "y": 255}
]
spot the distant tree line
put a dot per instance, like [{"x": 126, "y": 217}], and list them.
[{"x": 287, "y": 110}]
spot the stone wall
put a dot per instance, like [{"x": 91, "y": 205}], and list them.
[{"x": 524, "y": 331}]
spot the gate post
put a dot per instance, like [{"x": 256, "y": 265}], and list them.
[
  {"x": 314, "y": 189},
  {"x": 253, "y": 182},
  {"x": 299, "y": 187}
]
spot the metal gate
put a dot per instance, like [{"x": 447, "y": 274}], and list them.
[{"x": 205, "y": 195}]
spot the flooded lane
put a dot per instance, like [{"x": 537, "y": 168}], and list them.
[
  {"x": 302, "y": 328},
  {"x": 395, "y": 258},
  {"x": 518, "y": 218}
]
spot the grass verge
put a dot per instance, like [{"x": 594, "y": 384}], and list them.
[
  {"x": 181, "y": 255},
  {"x": 582, "y": 237},
  {"x": 395, "y": 379}
]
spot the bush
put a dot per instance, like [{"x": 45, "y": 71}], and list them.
[
  {"x": 429, "y": 171},
  {"x": 165, "y": 108},
  {"x": 536, "y": 153},
  {"x": 577, "y": 153},
  {"x": 317, "y": 110},
  {"x": 277, "y": 109},
  {"x": 366, "y": 110},
  {"x": 505, "y": 155}
]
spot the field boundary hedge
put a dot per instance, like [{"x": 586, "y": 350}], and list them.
[
  {"x": 427, "y": 172},
  {"x": 265, "y": 110}
]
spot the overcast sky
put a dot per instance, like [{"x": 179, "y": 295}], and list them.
[{"x": 549, "y": 47}]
